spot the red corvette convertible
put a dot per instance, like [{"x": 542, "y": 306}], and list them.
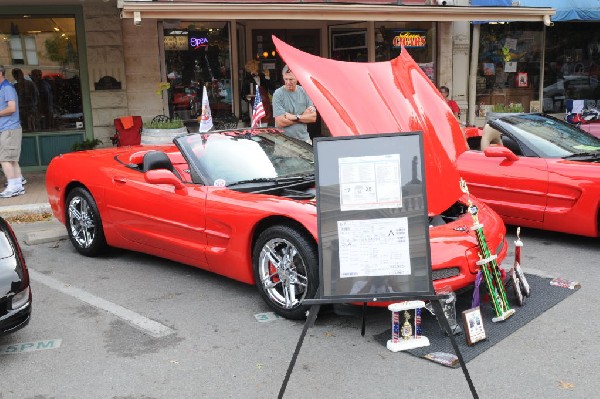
[
  {"x": 545, "y": 175},
  {"x": 242, "y": 203}
]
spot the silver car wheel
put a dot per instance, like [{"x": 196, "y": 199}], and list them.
[
  {"x": 81, "y": 220},
  {"x": 283, "y": 273}
]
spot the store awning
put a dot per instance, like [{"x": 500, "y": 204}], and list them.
[
  {"x": 378, "y": 10},
  {"x": 569, "y": 10}
]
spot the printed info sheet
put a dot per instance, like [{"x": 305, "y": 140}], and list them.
[
  {"x": 374, "y": 247},
  {"x": 370, "y": 182}
]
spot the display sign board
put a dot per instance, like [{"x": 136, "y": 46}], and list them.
[
  {"x": 349, "y": 40},
  {"x": 373, "y": 225},
  {"x": 176, "y": 42}
]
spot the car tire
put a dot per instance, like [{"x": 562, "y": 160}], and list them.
[
  {"x": 286, "y": 270},
  {"x": 83, "y": 223}
]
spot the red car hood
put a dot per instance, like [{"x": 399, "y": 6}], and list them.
[{"x": 385, "y": 97}]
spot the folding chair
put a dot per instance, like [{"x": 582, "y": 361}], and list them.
[{"x": 128, "y": 131}]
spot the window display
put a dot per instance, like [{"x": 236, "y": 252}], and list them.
[
  {"x": 509, "y": 67},
  {"x": 41, "y": 58},
  {"x": 197, "y": 56}
]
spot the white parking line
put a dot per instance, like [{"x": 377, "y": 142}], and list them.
[{"x": 148, "y": 326}]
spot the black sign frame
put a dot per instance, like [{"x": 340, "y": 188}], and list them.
[
  {"x": 373, "y": 145},
  {"x": 330, "y": 152}
]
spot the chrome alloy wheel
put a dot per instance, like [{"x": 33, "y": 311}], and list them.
[
  {"x": 283, "y": 273},
  {"x": 81, "y": 220}
]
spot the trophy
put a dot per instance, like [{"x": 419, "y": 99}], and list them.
[
  {"x": 404, "y": 336},
  {"x": 524, "y": 284},
  {"x": 520, "y": 284},
  {"x": 488, "y": 267},
  {"x": 449, "y": 308}
]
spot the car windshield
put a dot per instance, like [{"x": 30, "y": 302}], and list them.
[
  {"x": 549, "y": 137},
  {"x": 226, "y": 158}
]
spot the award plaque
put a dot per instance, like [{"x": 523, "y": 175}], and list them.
[{"x": 473, "y": 323}]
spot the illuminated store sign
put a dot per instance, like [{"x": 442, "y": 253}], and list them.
[
  {"x": 176, "y": 42},
  {"x": 198, "y": 40},
  {"x": 410, "y": 39}
]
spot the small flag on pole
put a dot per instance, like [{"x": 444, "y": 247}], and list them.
[
  {"x": 258, "y": 111},
  {"x": 206, "y": 122}
]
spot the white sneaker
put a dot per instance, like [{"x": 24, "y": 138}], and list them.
[
  {"x": 8, "y": 193},
  {"x": 23, "y": 181}
]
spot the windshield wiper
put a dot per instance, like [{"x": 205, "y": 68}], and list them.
[
  {"x": 277, "y": 181},
  {"x": 595, "y": 154}
]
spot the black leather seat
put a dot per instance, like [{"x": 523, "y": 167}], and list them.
[{"x": 157, "y": 160}]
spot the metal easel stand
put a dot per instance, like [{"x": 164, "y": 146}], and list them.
[{"x": 314, "y": 310}]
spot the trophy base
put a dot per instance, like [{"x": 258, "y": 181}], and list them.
[
  {"x": 406, "y": 344},
  {"x": 504, "y": 316}
]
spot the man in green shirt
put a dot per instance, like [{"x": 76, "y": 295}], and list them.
[{"x": 292, "y": 108}]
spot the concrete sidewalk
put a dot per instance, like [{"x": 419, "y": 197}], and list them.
[{"x": 35, "y": 199}]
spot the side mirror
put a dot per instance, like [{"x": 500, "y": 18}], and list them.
[
  {"x": 499, "y": 151},
  {"x": 164, "y": 176}
]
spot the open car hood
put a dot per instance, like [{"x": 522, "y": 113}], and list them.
[{"x": 385, "y": 97}]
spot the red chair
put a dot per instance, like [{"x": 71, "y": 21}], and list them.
[{"x": 129, "y": 131}]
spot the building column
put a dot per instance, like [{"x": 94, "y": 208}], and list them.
[
  {"x": 444, "y": 60},
  {"x": 453, "y": 62},
  {"x": 460, "y": 66}
]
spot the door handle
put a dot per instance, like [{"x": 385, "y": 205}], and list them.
[{"x": 120, "y": 179}]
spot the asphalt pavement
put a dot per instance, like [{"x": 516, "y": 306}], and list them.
[
  {"x": 220, "y": 343},
  {"x": 129, "y": 325}
]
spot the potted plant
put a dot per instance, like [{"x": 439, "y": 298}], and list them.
[
  {"x": 87, "y": 144},
  {"x": 162, "y": 131}
]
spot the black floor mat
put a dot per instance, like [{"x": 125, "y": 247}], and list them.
[{"x": 543, "y": 297}]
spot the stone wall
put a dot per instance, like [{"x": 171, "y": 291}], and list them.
[
  {"x": 128, "y": 53},
  {"x": 105, "y": 58},
  {"x": 143, "y": 68}
]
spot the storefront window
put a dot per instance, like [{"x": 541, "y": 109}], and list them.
[
  {"x": 572, "y": 65},
  {"x": 508, "y": 77},
  {"x": 418, "y": 38},
  {"x": 41, "y": 60},
  {"x": 349, "y": 45},
  {"x": 196, "y": 56}
]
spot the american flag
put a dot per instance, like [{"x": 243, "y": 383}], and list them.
[{"x": 258, "y": 111}]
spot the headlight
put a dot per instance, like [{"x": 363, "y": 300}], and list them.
[{"x": 20, "y": 299}]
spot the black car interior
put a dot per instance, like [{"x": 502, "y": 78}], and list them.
[{"x": 158, "y": 160}]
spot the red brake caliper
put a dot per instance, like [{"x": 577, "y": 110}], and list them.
[{"x": 272, "y": 270}]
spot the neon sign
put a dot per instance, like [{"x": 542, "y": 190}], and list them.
[
  {"x": 410, "y": 39},
  {"x": 197, "y": 42}
]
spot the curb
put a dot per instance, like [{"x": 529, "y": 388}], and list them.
[
  {"x": 38, "y": 232},
  {"x": 18, "y": 210},
  {"x": 52, "y": 234}
]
